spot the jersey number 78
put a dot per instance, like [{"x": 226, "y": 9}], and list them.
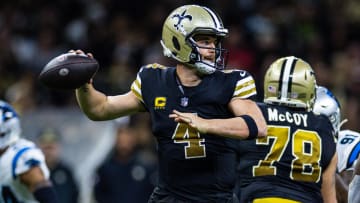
[{"x": 305, "y": 148}]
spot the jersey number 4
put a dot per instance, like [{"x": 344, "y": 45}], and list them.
[
  {"x": 305, "y": 148},
  {"x": 195, "y": 145}
]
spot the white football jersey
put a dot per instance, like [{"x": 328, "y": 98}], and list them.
[
  {"x": 18, "y": 159},
  {"x": 348, "y": 149}
]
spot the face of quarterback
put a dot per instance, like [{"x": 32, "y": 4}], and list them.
[{"x": 206, "y": 47}]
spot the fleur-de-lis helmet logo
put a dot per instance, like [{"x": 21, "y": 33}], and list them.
[{"x": 180, "y": 18}]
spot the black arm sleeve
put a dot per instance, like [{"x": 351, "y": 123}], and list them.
[{"x": 46, "y": 194}]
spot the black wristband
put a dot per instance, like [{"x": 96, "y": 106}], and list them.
[
  {"x": 46, "y": 194},
  {"x": 253, "y": 129}
]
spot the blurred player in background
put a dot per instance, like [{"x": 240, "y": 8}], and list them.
[
  {"x": 348, "y": 141},
  {"x": 296, "y": 161},
  {"x": 128, "y": 174},
  {"x": 194, "y": 165},
  {"x": 24, "y": 176},
  {"x": 61, "y": 175}
]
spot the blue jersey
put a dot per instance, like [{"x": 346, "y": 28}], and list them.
[
  {"x": 192, "y": 166},
  {"x": 289, "y": 162}
]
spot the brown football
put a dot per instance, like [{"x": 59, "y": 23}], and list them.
[{"x": 68, "y": 71}]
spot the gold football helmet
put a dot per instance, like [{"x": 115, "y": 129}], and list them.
[
  {"x": 290, "y": 81},
  {"x": 179, "y": 29}
]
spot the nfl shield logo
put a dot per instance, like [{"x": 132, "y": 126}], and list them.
[
  {"x": 184, "y": 102},
  {"x": 272, "y": 89}
]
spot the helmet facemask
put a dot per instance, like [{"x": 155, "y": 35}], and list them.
[{"x": 206, "y": 66}]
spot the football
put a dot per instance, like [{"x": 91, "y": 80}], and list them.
[{"x": 68, "y": 71}]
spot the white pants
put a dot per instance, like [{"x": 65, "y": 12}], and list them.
[{"x": 354, "y": 190}]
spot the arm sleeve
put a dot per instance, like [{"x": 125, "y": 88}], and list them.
[
  {"x": 46, "y": 194},
  {"x": 136, "y": 86},
  {"x": 245, "y": 86}
]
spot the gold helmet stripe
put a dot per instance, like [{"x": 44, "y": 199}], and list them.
[
  {"x": 214, "y": 17},
  {"x": 287, "y": 70},
  {"x": 291, "y": 74}
]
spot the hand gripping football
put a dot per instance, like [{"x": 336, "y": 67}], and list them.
[{"x": 68, "y": 71}]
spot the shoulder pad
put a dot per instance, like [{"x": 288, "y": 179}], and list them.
[
  {"x": 228, "y": 70},
  {"x": 241, "y": 72},
  {"x": 155, "y": 66}
]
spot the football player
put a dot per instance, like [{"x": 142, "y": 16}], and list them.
[
  {"x": 296, "y": 161},
  {"x": 194, "y": 165},
  {"x": 24, "y": 176},
  {"x": 348, "y": 143}
]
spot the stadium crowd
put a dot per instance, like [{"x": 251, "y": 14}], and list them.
[{"x": 124, "y": 36}]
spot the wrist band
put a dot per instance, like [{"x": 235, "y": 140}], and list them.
[{"x": 253, "y": 129}]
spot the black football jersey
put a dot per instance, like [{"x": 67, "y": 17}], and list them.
[
  {"x": 288, "y": 163},
  {"x": 192, "y": 166}
]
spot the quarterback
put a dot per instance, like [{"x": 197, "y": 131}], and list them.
[{"x": 195, "y": 165}]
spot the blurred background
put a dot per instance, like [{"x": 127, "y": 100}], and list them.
[{"x": 124, "y": 35}]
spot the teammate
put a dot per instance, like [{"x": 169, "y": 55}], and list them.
[
  {"x": 24, "y": 176},
  {"x": 296, "y": 161},
  {"x": 348, "y": 143},
  {"x": 194, "y": 165},
  {"x": 291, "y": 163}
]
